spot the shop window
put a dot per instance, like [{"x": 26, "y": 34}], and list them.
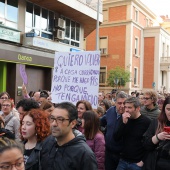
[
  {"x": 39, "y": 20},
  {"x": 102, "y": 78},
  {"x": 9, "y": 12},
  {"x": 103, "y": 43}
]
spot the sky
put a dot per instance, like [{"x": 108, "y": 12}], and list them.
[{"x": 159, "y": 7}]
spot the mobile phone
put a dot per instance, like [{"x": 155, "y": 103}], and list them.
[{"x": 167, "y": 129}]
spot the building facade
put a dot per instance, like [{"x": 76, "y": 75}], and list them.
[
  {"x": 32, "y": 31},
  {"x": 131, "y": 37}
]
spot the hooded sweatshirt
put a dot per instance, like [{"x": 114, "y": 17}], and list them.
[{"x": 74, "y": 155}]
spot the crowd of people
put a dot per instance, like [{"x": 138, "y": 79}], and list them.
[{"x": 125, "y": 132}]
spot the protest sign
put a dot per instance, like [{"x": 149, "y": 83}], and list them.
[
  {"x": 76, "y": 77},
  {"x": 23, "y": 74}
]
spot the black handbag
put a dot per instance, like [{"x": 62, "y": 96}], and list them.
[{"x": 6, "y": 133}]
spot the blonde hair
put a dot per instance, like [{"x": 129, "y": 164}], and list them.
[{"x": 152, "y": 94}]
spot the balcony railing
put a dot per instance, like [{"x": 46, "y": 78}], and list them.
[
  {"x": 93, "y": 4},
  {"x": 165, "y": 60}
]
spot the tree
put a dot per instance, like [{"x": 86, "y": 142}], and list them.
[{"x": 118, "y": 77}]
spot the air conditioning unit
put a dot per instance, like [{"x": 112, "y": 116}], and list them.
[
  {"x": 60, "y": 23},
  {"x": 59, "y": 34},
  {"x": 2, "y": 22}
]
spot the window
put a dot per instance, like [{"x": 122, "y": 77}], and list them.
[
  {"x": 2, "y": 8},
  {"x": 39, "y": 20},
  {"x": 105, "y": 15},
  {"x": 167, "y": 50},
  {"x": 135, "y": 76},
  {"x": 102, "y": 78},
  {"x": 72, "y": 33},
  {"x": 163, "y": 49},
  {"x": 136, "y": 15},
  {"x": 103, "y": 45},
  {"x": 9, "y": 12},
  {"x": 147, "y": 22},
  {"x": 136, "y": 46},
  {"x": 162, "y": 78}
]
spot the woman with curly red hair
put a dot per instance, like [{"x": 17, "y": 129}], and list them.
[{"x": 34, "y": 129}]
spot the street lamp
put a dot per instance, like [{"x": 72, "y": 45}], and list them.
[
  {"x": 97, "y": 27},
  {"x": 97, "y": 23},
  {"x": 116, "y": 81}
]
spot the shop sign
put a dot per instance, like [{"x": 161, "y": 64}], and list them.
[
  {"x": 74, "y": 49},
  {"x": 24, "y": 58},
  {"x": 9, "y": 35}
]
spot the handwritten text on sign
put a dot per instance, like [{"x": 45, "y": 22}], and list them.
[{"x": 76, "y": 77}]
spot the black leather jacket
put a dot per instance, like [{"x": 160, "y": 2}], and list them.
[{"x": 33, "y": 162}]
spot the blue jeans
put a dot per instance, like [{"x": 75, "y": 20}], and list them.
[{"x": 123, "y": 165}]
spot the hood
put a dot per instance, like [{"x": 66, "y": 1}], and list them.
[{"x": 79, "y": 137}]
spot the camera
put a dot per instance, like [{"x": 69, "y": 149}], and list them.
[{"x": 167, "y": 129}]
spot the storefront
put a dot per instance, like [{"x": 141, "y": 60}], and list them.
[{"x": 37, "y": 67}]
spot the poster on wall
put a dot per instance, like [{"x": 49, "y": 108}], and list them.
[{"x": 76, "y": 77}]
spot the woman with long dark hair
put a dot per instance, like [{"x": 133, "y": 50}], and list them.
[
  {"x": 157, "y": 140},
  {"x": 94, "y": 137}
]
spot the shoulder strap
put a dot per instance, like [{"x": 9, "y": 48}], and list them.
[{"x": 8, "y": 120}]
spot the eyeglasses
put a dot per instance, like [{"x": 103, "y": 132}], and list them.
[
  {"x": 58, "y": 120},
  {"x": 18, "y": 165},
  {"x": 6, "y": 105},
  {"x": 146, "y": 98},
  {"x": 4, "y": 98}
]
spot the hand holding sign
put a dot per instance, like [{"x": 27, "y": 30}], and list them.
[{"x": 23, "y": 74}]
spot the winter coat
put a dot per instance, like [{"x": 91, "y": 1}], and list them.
[
  {"x": 151, "y": 113},
  {"x": 34, "y": 160},
  {"x": 98, "y": 147},
  {"x": 111, "y": 121},
  {"x": 12, "y": 123},
  {"x": 158, "y": 154}
]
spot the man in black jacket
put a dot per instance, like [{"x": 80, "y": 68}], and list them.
[
  {"x": 131, "y": 129},
  {"x": 68, "y": 151}
]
